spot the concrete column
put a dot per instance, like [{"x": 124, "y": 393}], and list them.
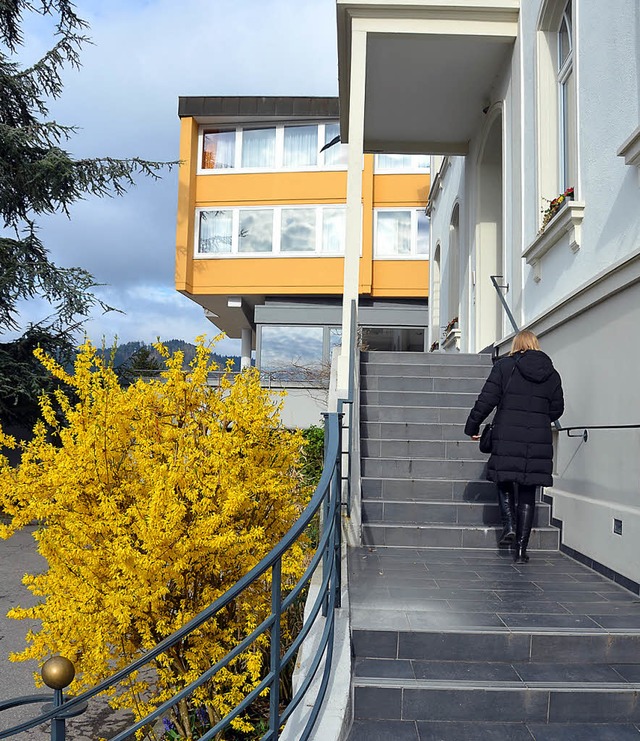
[
  {"x": 245, "y": 348},
  {"x": 355, "y": 164}
]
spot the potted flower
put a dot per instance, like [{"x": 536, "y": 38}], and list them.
[{"x": 554, "y": 206}]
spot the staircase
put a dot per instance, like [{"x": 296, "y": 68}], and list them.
[{"x": 453, "y": 641}]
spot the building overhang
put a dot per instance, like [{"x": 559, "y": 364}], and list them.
[
  {"x": 431, "y": 69},
  {"x": 238, "y": 109}
]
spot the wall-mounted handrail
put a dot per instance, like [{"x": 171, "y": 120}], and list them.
[
  {"x": 350, "y": 401},
  {"x": 327, "y": 495},
  {"x": 585, "y": 428},
  {"x": 498, "y": 287}
]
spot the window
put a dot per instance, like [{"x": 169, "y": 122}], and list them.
[
  {"x": 298, "y": 230},
  {"x": 258, "y": 148},
  {"x": 282, "y": 146},
  {"x": 401, "y": 233},
  {"x": 288, "y": 231},
  {"x": 566, "y": 101},
  {"x": 255, "y": 230},
  {"x": 402, "y": 162},
  {"x": 216, "y": 232},
  {"x": 300, "y": 146},
  {"x": 219, "y": 150}
]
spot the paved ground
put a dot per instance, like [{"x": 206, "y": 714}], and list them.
[
  {"x": 18, "y": 556},
  {"x": 421, "y": 589}
]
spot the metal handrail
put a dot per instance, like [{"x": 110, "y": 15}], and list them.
[
  {"x": 327, "y": 495},
  {"x": 498, "y": 288},
  {"x": 349, "y": 400},
  {"x": 585, "y": 435}
]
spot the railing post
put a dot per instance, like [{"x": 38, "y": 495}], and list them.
[
  {"x": 336, "y": 498},
  {"x": 274, "y": 695},
  {"x": 58, "y": 730}
]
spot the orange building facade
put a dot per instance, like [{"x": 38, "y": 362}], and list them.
[{"x": 261, "y": 229}]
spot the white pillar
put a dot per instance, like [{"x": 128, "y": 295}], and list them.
[
  {"x": 355, "y": 164},
  {"x": 245, "y": 348}
]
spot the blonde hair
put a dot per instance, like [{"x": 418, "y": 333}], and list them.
[{"x": 524, "y": 340}]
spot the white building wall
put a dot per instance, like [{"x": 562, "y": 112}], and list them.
[{"x": 585, "y": 304}]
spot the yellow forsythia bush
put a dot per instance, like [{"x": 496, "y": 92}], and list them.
[{"x": 152, "y": 501}]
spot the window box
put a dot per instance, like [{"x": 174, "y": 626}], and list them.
[
  {"x": 568, "y": 221},
  {"x": 630, "y": 150}
]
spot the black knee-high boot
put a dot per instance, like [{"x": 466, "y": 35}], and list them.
[
  {"x": 507, "y": 515},
  {"x": 523, "y": 529}
]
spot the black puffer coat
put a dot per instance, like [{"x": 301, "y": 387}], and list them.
[{"x": 522, "y": 448}]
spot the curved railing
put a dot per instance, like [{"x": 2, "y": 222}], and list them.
[{"x": 326, "y": 500}]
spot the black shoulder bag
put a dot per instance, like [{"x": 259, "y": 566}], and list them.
[{"x": 486, "y": 438}]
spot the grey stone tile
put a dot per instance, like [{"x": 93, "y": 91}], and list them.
[
  {"x": 388, "y": 668},
  {"x": 629, "y": 672},
  {"x": 558, "y": 672},
  {"x": 477, "y": 705},
  {"x": 530, "y": 607},
  {"x": 383, "y": 730},
  {"x": 379, "y": 644},
  {"x": 618, "y": 622},
  {"x": 377, "y": 702},
  {"x": 547, "y": 620},
  {"x": 433, "y": 646},
  {"x": 379, "y": 619},
  {"x": 451, "y": 620},
  {"x": 601, "y": 608},
  {"x": 583, "y": 732},
  {"x": 452, "y": 731},
  {"x": 594, "y": 707},
  {"x": 465, "y": 670},
  {"x": 608, "y": 649}
]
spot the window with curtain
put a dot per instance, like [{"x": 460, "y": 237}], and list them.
[
  {"x": 255, "y": 230},
  {"x": 566, "y": 101},
  {"x": 259, "y": 148},
  {"x": 422, "y": 233},
  {"x": 337, "y": 154},
  {"x": 216, "y": 232},
  {"x": 218, "y": 150},
  {"x": 298, "y": 230},
  {"x": 300, "y": 146}
]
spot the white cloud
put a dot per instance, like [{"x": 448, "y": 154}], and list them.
[{"x": 124, "y": 99}]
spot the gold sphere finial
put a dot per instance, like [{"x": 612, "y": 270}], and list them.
[{"x": 58, "y": 672}]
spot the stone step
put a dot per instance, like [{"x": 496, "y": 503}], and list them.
[
  {"x": 413, "y": 431},
  {"x": 428, "y": 490},
  {"x": 442, "y": 399},
  {"x": 488, "y": 702},
  {"x": 423, "y": 468},
  {"x": 442, "y": 513},
  {"x": 450, "y": 536},
  {"x": 420, "y": 383},
  {"x": 423, "y": 358},
  {"x": 371, "y": 368},
  {"x": 399, "y": 730},
  {"x": 450, "y": 450},
  {"x": 412, "y": 414},
  {"x": 531, "y": 647}
]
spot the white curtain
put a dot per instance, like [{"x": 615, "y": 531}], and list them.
[
  {"x": 219, "y": 150},
  {"x": 259, "y": 148},
  {"x": 300, "y": 146},
  {"x": 216, "y": 229}
]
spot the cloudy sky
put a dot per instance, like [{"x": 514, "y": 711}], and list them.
[{"x": 145, "y": 54}]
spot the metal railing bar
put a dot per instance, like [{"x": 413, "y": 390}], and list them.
[
  {"x": 496, "y": 285},
  {"x": 26, "y": 700},
  {"x": 315, "y": 710},
  {"x": 322, "y": 644},
  {"x": 308, "y": 624},
  {"x": 274, "y": 692},
  {"x": 226, "y": 721},
  {"x": 206, "y": 676},
  {"x": 598, "y": 427},
  {"x": 331, "y": 454}
]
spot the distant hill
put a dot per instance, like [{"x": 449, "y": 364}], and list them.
[{"x": 123, "y": 352}]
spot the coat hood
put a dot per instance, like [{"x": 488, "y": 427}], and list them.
[{"x": 535, "y": 365}]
